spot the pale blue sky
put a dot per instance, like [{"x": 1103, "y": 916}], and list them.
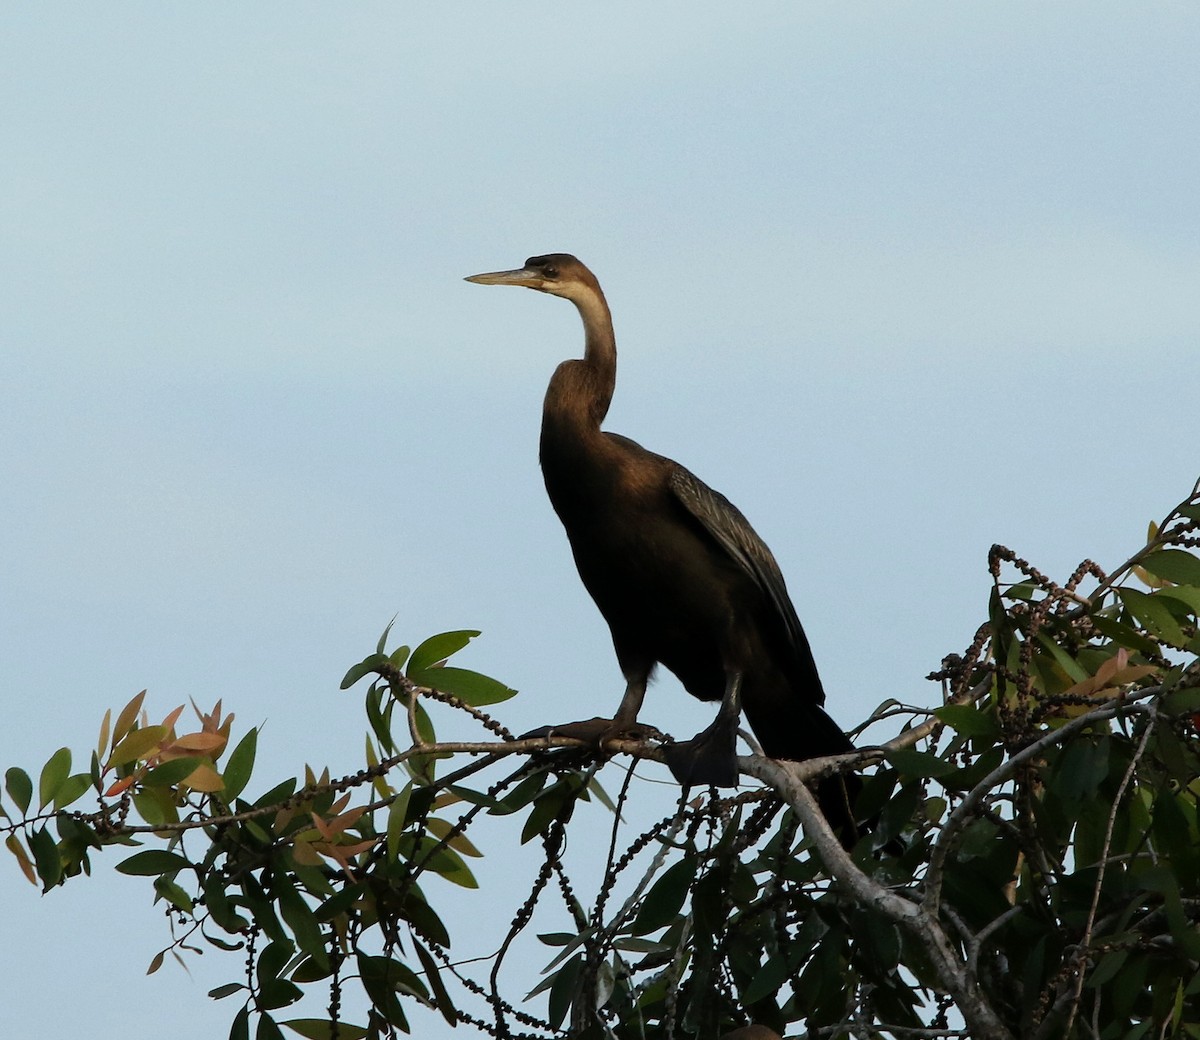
[{"x": 901, "y": 280}]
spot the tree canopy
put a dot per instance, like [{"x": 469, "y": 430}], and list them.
[{"x": 1033, "y": 869}]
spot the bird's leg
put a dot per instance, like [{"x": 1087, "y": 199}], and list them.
[
  {"x": 631, "y": 703},
  {"x": 710, "y": 757},
  {"x": 731, "y": 703}
]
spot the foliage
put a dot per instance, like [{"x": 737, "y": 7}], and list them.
[{"x": 1033, "y": 868}]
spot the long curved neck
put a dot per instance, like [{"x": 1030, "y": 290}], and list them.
[
  {"x": 580, "y": 392},
  {"x": 600, "y": 342}
]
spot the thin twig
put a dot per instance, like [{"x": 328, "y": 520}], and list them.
[
  {"x": 1081, "y": 951},
  {"x": 965, "y": 811}
]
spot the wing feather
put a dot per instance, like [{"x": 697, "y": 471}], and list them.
[{"x": 725, "y": 522}]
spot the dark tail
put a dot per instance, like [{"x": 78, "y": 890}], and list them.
[{"x": 797, "y": 731}]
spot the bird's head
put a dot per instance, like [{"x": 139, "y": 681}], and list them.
[{"x": 559, "y": 274}]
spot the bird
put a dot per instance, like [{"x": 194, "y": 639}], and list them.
[{"x": 677, "y": 571}]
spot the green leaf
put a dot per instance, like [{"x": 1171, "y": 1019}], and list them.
[
  {"x": 240, "y": 1030},
  {"x": 474, "y": 689},
  {"x": 364, "y": 667},
  {"x": 1124, "y": 634},
  {"x": 320, "y": 1029},
  {"x": 1129, "y": 985},
  {"x": 1175, "y": 565},
  {"x": 137, "y": 744},
  {"x": 1174, "y": 829},
  {"x": 267, "y": 1029},
  {"x": 665, "y": 899},
  {"x": 279, "y": 793},
  {"x": 1081, "y": 768},
  {"x": 173, "y": 894},
  {"x": 339, "y": 903},
  {"x": 1022, "y": 590},
  {"x": 969, "y": 720},
  {"x": 563, "y": 989},
  {"x": 1182, "y": 700},
  {"x": 1189, "y": 595},
  {"x": 156, "y": 805},
  {"x": 441, "y": 997},
  {"x": 631, "y": 945},
  {"x": 170, "y": 773},
  {"x": 1153, "y": 613},
  {"x": 46, "y": 859},
  {"x": 76, "y": 831},
  {"x": 397, "y": 819},
  {"x": 380, "y": 718},
  {"x": 545, "y": 809},
  {"x": 978, "y": 839},
  {"x": 438, "y": 648},
  {"x": 309, "y": 970},
  {"x": 450, "y": 865},
  {"x": 425, "y": 919},
  {"x": 1107, "y": 968},
  {"x": 767, "y": 981},
  {"x": 19, "y": 787},
  {"x": 1191, "y": 511},
  {"x": 468, "y": 794},
  {"x": 72, "y": 789},
  {"x": 893, "y": 1000},
  {"x": 240, "y": 765},
  {"x": 273, "y": 959},
  {"x": 596, "y": 788},
  {"x": 300, "y": 918},
  {"x": 263, "y": 910},
  {"x": 152, "y": 862},
  {"x": 1001, "y": 624},
  {"x": 919, "y": 763},
  {"x": 521, "y": 795},
  {"x": 381, "y": 978},
  {"x": 1064, "y": 660},
  {"x": 382, "y": 644},
  {"x": 228, "y": 990},
  {"x": 219, "y": 905},
  {"x": 968, "y": 776},
  {"x": 54, "y": 773},
  {"x": 314, "y": 881},
  {"x": 274, "y": 991},
  {"x": 1162, "y": 879},
  {"x": 557, "y": 938},
  {"x": 425, "y": 727}
]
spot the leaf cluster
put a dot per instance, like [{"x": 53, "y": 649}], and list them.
[{"x": 1031, "y": 866}]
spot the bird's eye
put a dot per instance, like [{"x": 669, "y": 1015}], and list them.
[{"x": 550, "y": 271}]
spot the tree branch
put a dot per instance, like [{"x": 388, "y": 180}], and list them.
[{"x": 982, "y": 1020}]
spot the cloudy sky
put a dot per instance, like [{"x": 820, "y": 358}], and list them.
[{"x": 901, "y": 280}]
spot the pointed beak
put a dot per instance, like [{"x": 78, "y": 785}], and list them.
[{"x": 529, "y": 279}]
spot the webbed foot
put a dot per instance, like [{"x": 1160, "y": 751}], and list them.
[
  {"x": 708, "y": 759},
  {"x": 597, "y": 731}
]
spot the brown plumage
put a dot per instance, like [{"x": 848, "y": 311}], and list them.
[{"x": 677, "y": 571}]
